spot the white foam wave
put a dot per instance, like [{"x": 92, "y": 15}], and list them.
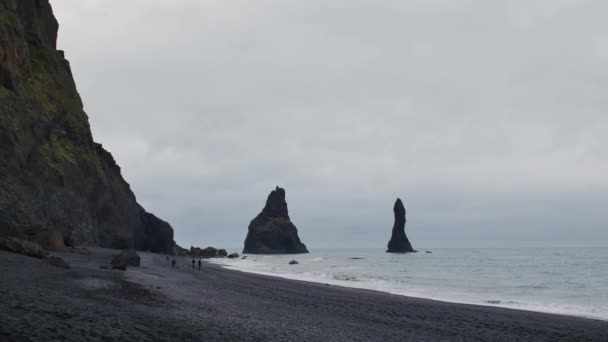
[{"x": 353, "y": 280}]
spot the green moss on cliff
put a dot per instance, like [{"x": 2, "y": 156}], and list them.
[{"x": 52, "y": 174}]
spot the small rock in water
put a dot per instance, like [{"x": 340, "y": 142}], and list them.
[
  {"x": 104, "y": 267},
  {"x": 356, "y": 258},
  {"x": 493, "y": 301},
  {"x": 293, "y": 262},
  {"x": 429, "y": 252},
  {"x": 119, "y": 267},
  {"x": 234, "y": 256}
]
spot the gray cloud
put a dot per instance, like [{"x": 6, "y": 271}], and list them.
[{"x": 488, "y": 117}]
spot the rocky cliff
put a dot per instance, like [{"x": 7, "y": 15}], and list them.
[
  {"x": 399, "y": 242},
  {"x": 271, "y": 232},
  {"x": 53, "y": 176}
]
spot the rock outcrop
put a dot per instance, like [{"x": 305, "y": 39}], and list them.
[
  {"x": 53, "y": 176},
  {"x": 209, "y": 252},
  {"x": 20, "y": 246},
  {"x": 57, "y": 262},
  {"x": 51, "y": 240},
  {"x": 272, "y": 232},
  {"x": 233, "y": 256},
  {"x": 179, "y": 251},
  {"x": 127, "y": 257},
  {"x": 399, "y": 242}
]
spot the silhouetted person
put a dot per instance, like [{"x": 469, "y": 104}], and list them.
[
  {"x": 193, "y": 263},
  {"x": 199, "y": 265},
  {"x": 173, "y": 263}
]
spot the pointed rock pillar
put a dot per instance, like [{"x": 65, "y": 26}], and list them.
[
  {"x": 272, "y": 232},
  {"x": 399, "y": 242}
]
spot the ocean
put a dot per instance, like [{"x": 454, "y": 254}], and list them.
[{"x": 570, "y": 281}]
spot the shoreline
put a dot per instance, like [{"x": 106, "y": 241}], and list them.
[
  {"x": 351, "y": 285},
  {"x": 156, "y": 303}
]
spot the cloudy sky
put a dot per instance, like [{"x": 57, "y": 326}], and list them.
[{"x": 489, "y": 118}]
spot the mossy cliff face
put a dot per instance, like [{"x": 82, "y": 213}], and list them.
[{"x": 53, "y": 176}]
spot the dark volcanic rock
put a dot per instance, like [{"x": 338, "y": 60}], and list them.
[
  {"x": 51, "y": 240},
  {"x": 58, "y": 262},
  {"x": 233, "y": 256},
  {"x": 293, "y": 262},
  {"x": 20, "y": 246},
  {"x": 271, "y": 232},
  {"x": 399, "y": 242},
  {"x": 194, "y": 252},
  {"x": 209, "y": 252},
  {"x": 127, "y": 257},
  {"x": 53, "y": 176},
  {"x": 179, "y": 251}
]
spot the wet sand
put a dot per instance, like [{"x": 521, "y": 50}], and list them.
[{"x": 41, "y": 302}]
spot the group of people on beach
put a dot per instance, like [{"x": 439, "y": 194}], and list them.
[{"x": 200, "y": 264}]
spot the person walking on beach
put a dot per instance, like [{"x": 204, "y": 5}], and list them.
[
  {"x": 173, "y": 263},
  {"x": 199, "y": 265},
  {"x": 193, "y": 263}
]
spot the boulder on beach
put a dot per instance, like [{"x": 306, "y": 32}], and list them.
[
  {"x": 58, "y": 262},
  {"x": 20, "y": 246},
  {"x": 233, "y": 256},
  {"x": 209, "y": 252},
  {"x": 399, "y": 242},
  {"x": 293, "y": 262},
  {"x": 51, "y": 240},
  {"x": 272, "y": 232},
  {"x": 127, "y": 257},
  {"x": 178, "y": 250},
  {"x": 194, "y": 252}
]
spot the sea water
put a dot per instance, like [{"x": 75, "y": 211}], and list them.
[{"x": 570, "y": 281}]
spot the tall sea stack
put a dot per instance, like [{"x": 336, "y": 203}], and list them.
[
  {"x": 54, "y": 179},
  {"x": 399, "y": 242},
  {"x": 271, "y": 232}
]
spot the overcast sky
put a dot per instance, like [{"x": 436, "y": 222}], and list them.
[{"x": 488, "y": 118}]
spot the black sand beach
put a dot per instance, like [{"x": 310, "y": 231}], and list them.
[{"x": 154, "y": 303}]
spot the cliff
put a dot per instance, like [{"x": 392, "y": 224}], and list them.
[
  {"x": 272, "y": 232},
  {"x": 53, "y": 176},
  {"x": 399, "y": 243}
]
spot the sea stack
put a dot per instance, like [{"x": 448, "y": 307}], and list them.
[
  {"x": 399, "y": 242},
  {"x": 272, "y": 232}
]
